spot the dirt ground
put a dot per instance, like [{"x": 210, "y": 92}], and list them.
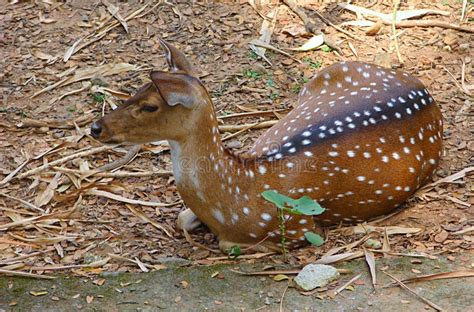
[{"x": 54, "y": 219}]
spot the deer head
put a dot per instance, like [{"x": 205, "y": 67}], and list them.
[{"x": 167, "y": 108}]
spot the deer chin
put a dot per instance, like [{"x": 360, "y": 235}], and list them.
[{"x": 108, "y": 139}]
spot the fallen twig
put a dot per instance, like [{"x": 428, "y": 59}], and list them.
[
  {"x": 278, "y": 272},
  {"x": 56, "y": 124},
  {"x": 95, "y": 264},
  {"x": 391, "y": 253},
  {"x": 66, "y": 159},
  {"x": 137, "y": 262},
  {"x": 338, "y": 28},
  {"x": 464, "y": 231},
  {"x": 462, "y": 85},
  {"x": 26, "y": 274},
  {"x": 132, "y": 152},
  {"x": 12, "y": 174},
  {"x": 116, "y": 174},
  {"x": 352, "y": 280},
  {"x": 283, "y": 296},
  {"x": 431, "y": 23},
  {"x": 265, "y": 45},
  {"x": 144, "y": 217},
  {"x": 250, "y": 126},
  {"x": 401, "y": 284},
  {"x": 257, "y": 113},
  {"x": 128, "y": 200},
  {"x": 436, "y": 276},
  {"x": 448, "y": 179},
  {"x": 22, "y": 257},
  {"x": 24, "y": 202},
  {"x": 261, "y": 125},
  {"x": 396, "y": 4},
  {"x": 97, "y": 35}
]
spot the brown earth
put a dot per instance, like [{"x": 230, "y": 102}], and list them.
[{"x": 215, "y": 37}]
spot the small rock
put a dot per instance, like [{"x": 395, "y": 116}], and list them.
[
  {"x": 373, "y": 243},
  {"x": 316, "y": 275}
]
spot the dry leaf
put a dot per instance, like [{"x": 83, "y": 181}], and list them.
[
  {"x": 311, "y": 44},
  {"x": 340, "y": 257},
  {"x": 374, "y": 29},
  {"x": 90, "y": 72},
  {"x": 437, "y": 276},
  {"x": 45, "y": 197},
  {"x": 99, "y": 282},
  {"x": 280, "y": 277},
  {"x": 115, "y": 13},
  {"x": 38, "y": 293},
  {"x": 391, "y": 230},
  {"x": 70, "y": 51},
  {"x": 370, "y": 259},
  {"x": 401, "y": 15},
  {"x": 266, "y": 32}
]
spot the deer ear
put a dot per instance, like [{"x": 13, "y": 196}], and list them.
[
  {"x": 176, "y": 60},
  {"x": 176, "y": 88}
]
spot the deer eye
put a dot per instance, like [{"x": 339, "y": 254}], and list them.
[{"x": 149, "y": 108}]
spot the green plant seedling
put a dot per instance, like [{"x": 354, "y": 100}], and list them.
[
  {"x": 98, "y": 97},
  {"x": 325, "y": 48},
  {"x": 234, "y": 252},
  {"x": 302, "y": 206}
]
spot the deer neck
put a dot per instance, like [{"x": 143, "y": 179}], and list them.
[{"x": 207, "y": 175}]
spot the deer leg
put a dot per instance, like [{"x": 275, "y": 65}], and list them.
[{"x": 188, "y": 221}]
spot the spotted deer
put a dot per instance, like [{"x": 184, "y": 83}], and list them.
[{"x": 360, "y": 141}]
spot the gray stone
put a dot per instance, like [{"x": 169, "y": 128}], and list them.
[{"x": 316, "y": 275}]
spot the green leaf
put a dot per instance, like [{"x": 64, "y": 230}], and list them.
[
  {"x": 325, "y": 48},
  {"x": 276, "y": 198},
  {"x": 307, "y": 206},
  {"x": 314, "y": 238},
  {"x": 304, "y": 205},
  {"x": 234, "y": 251}
]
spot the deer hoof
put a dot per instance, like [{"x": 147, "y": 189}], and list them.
[{"x": 188, "y": 221}]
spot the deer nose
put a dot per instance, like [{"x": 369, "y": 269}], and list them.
[{"x": 96, "y": 129}]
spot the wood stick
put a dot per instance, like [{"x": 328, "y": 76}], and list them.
[
  {"x": 22, "y": 257},
  {"x": 56, "y": 124},
  {"x": 66, "y": 159},
  {"x": 431, "y": 304},
  {"x": 25, "y": 274},
  {"x": 116, "y": 174},
  {"x": 352, "y": 280},
  {"x": 233, "y": 128},
  {"x": 431, "y": 23},
  {"x": 24, "y": 202},
  {"x": 259, "y": 113},
  {"x": 132, "y": 152}
]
